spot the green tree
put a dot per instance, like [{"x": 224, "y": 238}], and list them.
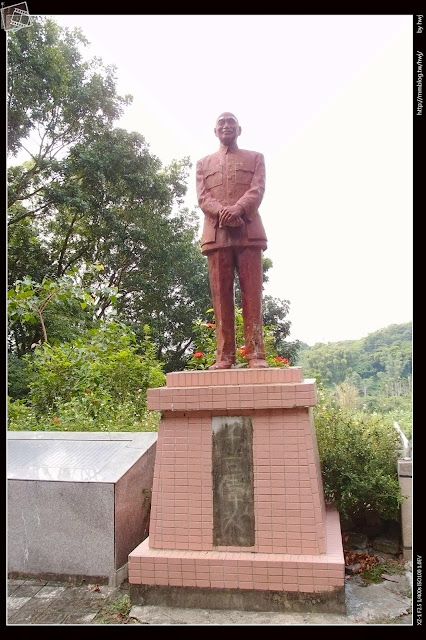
[
  {"x": 26, "y": 253},
  {"x": 129, "y": 216},
  {"x": 54, "y": 97},
  {"x": 89, "y": 193},
  {"x": 92, "y": 193},
  {"x": 333, "y": 361},
  {"x": 29, "y": 301},
  {"x": 275, "y": 313}
]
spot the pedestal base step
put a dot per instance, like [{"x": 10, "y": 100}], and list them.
[
  {"x": 241, "y": 580},
  {"x": 332, "y": 601}
]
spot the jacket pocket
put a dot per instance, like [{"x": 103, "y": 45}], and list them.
[
  {"x": 244, "y": 173},
  {"x": 214, "y": 179}
]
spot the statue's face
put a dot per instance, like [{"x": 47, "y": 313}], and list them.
[{"x": 227, "y": 128}]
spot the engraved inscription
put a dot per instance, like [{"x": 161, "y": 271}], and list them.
[{"x": 233, "y": 494}]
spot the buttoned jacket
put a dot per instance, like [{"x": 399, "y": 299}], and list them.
[{"x": 231, "y": 176}]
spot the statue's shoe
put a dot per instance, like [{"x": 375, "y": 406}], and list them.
[
  {"x": 221, "y": 364},
  {"x": 257, "y": 363}
]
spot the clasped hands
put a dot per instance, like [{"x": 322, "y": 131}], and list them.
[{"x": 230, "y": 216}]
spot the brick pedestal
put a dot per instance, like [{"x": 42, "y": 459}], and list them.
[{"x": 238, "y": 518}]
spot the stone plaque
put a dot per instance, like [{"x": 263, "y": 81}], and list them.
[{"x": 233, "y": 493}]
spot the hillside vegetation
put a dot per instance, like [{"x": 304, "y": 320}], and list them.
[{"x": 373, "y": 373}]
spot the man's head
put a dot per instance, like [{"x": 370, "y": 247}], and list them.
[{"x": 227, "y": 128}]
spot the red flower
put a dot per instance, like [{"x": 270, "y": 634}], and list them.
[
  {"x": 281, "y": 360},
  {"x": 210, "y": 325},
  {"x": 242, "y": 351},
  {"x": 56, "y": 420},
  {"x": 198, "y": 354}
]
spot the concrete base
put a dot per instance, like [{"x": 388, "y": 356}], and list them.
[
  {"x": 239, "y": 599},
  {"x": 77, "y": 503}
]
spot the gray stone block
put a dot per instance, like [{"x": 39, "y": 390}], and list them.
[
  {"x": 78, "y": 503},
  {"x": 386, "y": 544}
]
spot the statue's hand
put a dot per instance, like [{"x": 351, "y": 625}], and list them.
[
  {"x": 230, "y": 216},
  {"x": 236, "y": 222}
]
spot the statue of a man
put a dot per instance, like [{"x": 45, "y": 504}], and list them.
[{"x": 230, "y": 188}]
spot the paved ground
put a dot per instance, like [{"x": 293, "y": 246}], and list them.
[{"x": 38, "y": 602}]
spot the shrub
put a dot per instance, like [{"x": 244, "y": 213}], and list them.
[
  {"x": 74, "y": 416},
  {"x": 95, "y": 383},
  {"x": 204, "y": 354},
  {"x": 358, "y": 454},
  {"x": 103, "y": 364},
  {"x": 20, "y": 416}
]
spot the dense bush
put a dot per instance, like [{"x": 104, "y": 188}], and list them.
[
  {"x": 358, "y": 453},
  {"x": 75, "y": 416},
  {"x": 95, "y": 383}
]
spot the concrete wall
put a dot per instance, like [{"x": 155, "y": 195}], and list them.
[{"x": 405, "y": 473}]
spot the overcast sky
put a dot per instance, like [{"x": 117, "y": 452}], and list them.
[{"x": 328, "y": 100}]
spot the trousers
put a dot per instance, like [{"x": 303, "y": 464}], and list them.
[{"x": 223, "y": 264}]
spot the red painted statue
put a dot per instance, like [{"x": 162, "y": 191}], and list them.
[{"x": 230, "y": 188}]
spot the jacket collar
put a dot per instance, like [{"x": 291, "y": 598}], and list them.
[{"x": 232, "y": 148}]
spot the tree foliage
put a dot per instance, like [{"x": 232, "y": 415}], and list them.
[
  {"x": 382, "y": 358},
  {"x": 275, "y": 313},
  {"x": 55, "y": 98},
  {"x": 89, "y": 192},
  {"x": 372, "y": 374},
  {"x": 30, "y": 301}
]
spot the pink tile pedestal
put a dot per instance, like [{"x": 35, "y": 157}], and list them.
[{"x": 296, "y": 561}]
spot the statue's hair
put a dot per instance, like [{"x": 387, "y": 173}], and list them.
[{"x": 227, "y": 113}]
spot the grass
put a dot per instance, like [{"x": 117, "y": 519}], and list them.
[
  {"x": 375, "y": 574},
  {"x": 115, "y": 612}
]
